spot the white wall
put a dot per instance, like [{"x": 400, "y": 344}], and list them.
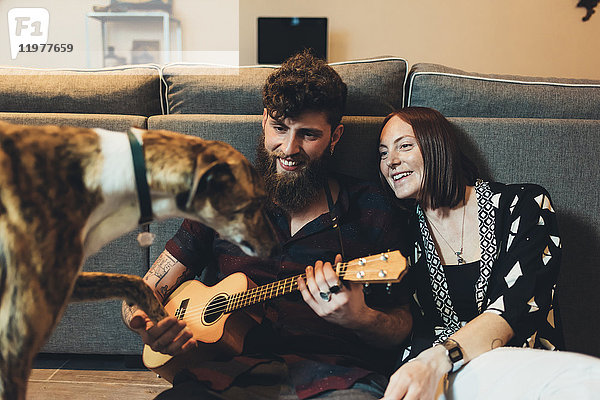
[
  {"x": 210, "y": 32},
  {"x": 532, "y": 37},
  {"x": 67, "y": 25}
]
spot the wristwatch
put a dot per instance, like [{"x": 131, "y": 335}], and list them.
[{"x": 454, "y": 353}]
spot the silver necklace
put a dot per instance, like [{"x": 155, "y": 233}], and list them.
[{"x": 459, "y": 257}]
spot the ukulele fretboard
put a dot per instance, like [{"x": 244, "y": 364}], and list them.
[{"x": 270, "y": 291}]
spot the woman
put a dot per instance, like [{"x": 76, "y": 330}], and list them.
[{"x": 485, "y": 264}]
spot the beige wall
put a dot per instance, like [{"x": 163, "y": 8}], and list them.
[{"x": 526, "y": 37}]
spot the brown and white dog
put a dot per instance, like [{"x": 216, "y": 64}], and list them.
[{"x": 65, "y": 192}]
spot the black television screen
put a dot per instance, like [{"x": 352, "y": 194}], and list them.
[{"x": 279, "y": 38}]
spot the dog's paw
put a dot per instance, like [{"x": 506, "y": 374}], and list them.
[{"x": 152, "y": 306}]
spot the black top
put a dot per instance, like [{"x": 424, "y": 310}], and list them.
[
  {"x": 461, "y": 284},
  {"x": 515, "y": 278}
]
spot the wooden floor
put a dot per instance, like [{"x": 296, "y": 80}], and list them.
[{"x": 59, "y": 377}]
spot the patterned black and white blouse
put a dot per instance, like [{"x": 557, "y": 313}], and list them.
[{"x": 520, "y": 257}]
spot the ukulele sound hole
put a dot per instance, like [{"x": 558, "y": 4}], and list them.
[{"x": 215, "y": 309}]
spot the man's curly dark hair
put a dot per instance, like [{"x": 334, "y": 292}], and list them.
[{"x": 305, "y": 83}]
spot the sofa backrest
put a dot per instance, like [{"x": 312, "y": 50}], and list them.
[
  {"x": 375, "y": 87},
  {"x": 127, "y": 90},
  {"x": 457, "y": 93}
]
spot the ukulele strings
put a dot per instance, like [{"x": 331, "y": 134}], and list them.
[
  {"x": 255, "y": 294},
  {"x": 250, "y": 296},
  {"x": 220, "y": 306},
  {"x": 247, "y": 298}
]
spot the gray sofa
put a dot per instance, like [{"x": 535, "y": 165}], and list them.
[{"x": 519, "y": 129}]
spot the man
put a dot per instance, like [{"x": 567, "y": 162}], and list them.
[{"x": 337, "y": 343}]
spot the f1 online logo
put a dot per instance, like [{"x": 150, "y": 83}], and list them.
[{"x": 27, "y": 26}]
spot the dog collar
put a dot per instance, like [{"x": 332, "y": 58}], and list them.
[{"x": 139, "y": 168}]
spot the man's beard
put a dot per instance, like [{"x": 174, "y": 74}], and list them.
[{"x": 295, "y": 190}]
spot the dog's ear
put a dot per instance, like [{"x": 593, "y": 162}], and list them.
[{"x": 205, "y": 177}]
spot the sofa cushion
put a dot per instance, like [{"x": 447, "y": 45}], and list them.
[
  {"x": 119, "y": 123},
  {"x": 375, "y": 87},
  {"x": 128, "y": 90},
  {"x": 457, "y": 93},
  {"x": 198, "y": 89},
  {"x": 561, "y": 156}
]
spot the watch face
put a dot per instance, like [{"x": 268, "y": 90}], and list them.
[{"x": 455, "y": 354}]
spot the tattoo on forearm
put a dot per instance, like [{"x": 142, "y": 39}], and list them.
[
  {"x": 497, "y": 343},
  {"x": 161, "y": 267},
  {"x": 165, "y": 290},
  {"x": 186, "y": 276}
]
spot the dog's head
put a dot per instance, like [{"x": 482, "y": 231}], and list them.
[
  {"x": 228, "y": 195},
  {"x": 214, "y": 184}
]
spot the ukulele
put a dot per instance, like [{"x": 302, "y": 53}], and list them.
[{"x": 219, "y": 316}]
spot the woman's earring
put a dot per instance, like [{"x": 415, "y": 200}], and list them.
[{"x": 331, "y": 150}]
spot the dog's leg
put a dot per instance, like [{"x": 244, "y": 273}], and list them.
[
  {"x": 14, "y": 371},
  {"x": 24, "y": 321},
  {"x": 31, "y": 301},
  {"x": 15, "y": 363},
  {"x": 131, "y": 288}
]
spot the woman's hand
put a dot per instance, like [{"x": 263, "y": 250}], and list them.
[{"x": 419, "y": 378}]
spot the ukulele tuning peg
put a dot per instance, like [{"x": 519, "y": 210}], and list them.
[{"x": 388, "y": 288}]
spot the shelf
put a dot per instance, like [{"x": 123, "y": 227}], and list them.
[{"x": 168, "y": 23}]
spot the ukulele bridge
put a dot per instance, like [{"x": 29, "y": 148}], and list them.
[{"x": 180, "y": 312}]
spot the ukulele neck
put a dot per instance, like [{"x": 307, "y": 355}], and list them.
[{"x": 271, "y": 290}]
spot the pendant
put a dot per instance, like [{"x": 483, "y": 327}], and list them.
[{"x": 459, "y": 258}]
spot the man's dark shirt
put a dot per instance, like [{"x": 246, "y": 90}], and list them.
[{"x": 320, "y": 355}]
